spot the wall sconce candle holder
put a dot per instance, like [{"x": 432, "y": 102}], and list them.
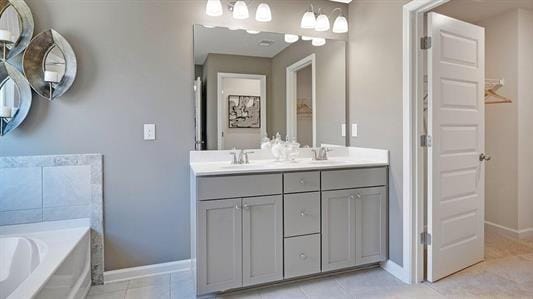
[
  {"x": 15, "y": 46},
  {"x": 12, "y": 118}
]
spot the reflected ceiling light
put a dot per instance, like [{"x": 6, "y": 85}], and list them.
[
  {"x": 322, "y": 23},
  {"x": 340, "y": 25},
  {"x": 234, "y": 28},
  {"x": 240, "y": 10},
  {"x": 306, "y": 37},
  {"x": 263, "y": 13},
  {"x": 253, "y": 31},
  {"x": 318, "y": 41},
  {"x": 291, "y": 38},
  {"x": 308, "y": 19},
  {"x": 213, "y": 8},
  {"x": 209, "y": 26}
]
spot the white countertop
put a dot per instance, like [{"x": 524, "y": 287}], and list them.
[{"x": 210, "y": 163}]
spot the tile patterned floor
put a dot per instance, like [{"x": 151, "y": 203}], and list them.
[{"x": 506, "y": 273}]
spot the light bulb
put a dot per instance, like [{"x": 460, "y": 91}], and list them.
[
  {"x": 322, "y": 23},
  {"x": 340, "y": 25},
  {"x": 213, "y": 8},
  {"x": 263, "y": 13},
  {"x": 306, "y": 37},
  {"x": 291, "y": 38},
  {"x": 240, "y": 10},
  {"x": 253, "y": 31},
  {"x": 318, "y": 41},
  {"x": 308, "y": 20}
]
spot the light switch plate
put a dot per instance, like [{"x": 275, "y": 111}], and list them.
[
  {"x": 354, "y": 130},
  {"x": 149, "y": 131},
  {"x": 343, "y": 130}
]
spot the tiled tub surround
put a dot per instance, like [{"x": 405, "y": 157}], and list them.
[
  {"x": 271, "y": 221},
  {"x": 50, "y": 188}
]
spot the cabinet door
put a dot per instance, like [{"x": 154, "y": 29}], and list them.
[
  {"x": 338, "y": 229},
  {"x": 371, "y": 225},
  {"x": 262, "y": 237},
  {"x": 219, "y": 260}
]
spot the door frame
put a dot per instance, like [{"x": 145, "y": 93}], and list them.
[
  {"x": 413, "y": 172},
  {"x": 222, "y": 113},
  {"x": 291, "y": 95}
]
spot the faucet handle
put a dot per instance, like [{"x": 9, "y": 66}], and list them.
[
  {"x": 246, "y": 158},
  {"x": 234, "y": 160}
]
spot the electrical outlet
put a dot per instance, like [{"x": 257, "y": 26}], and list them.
[
  {"x": 354, "y": 130},
  {"x": 343, "y": 130},
  {"x": 149, "y": 131}
]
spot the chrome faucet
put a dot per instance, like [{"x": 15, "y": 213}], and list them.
[
  {"x": 321, "y": 154},
  {"x": 242, "y": 158}
]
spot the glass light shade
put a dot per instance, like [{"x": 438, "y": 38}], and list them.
[
  {"x": 213, "y": 8},
  {"x": 308, "y": 20},
  {"x": 253, "y": 31},
  {"x": 240, "y": 10},
  {"x": 291, "y": 38},
  {"x": 340, "y": 25},
  {"x": 306, "y": 37},
  {"x": 263, "y": 13},
  {"x": 322, "y": 23},
  {"x": 317, "y": 41}
]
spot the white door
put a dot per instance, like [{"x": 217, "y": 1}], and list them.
[
  {"x": 198, "y": 112},
  {"x": 456, "y": 176}
]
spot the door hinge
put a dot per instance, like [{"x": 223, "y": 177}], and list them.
[
  {"x": 425, "y": 238},
  {"x": 425, "y": 42},
  {"x": 425, "y": 141}
]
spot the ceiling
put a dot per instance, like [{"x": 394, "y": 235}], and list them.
[
  {"x": 476, "y": 10},
  {"x": 237, "y": 42}
]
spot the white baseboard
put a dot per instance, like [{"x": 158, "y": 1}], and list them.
[
  {"x": 145, "y": 271},
  {"x": 515, "y": 233},
  {"x": 396, "y": 270}
]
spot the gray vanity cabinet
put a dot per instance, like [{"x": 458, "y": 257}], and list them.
[
  {"x": 370, "y": 221},
  {"x": 219, "y": 255},
  {"x": 262, "y": 239},
  {"x": 338, "y": 229}
]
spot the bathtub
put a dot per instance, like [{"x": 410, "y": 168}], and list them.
[{"x": 45, "y": 260}]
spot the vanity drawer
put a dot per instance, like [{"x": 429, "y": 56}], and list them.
[
  {"x": 301, "y": 181},
  {"x": 301, "y": 214},
  {"x": 354, "y": 178},
  {"x": 217, "y": 187},
  {"x": 302, "y": 255}
]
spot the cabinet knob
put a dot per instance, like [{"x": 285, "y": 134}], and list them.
[
  {"x": 358, "y": 195},
  {"x": 303, "y": 213},
  {"x": 237, "y": 207},
  {"x": 302, "y": 182},
  {"x": 246, "y": 207},
  {"x": 302, "y": 256},
  {"x": 352, "y": 197}
]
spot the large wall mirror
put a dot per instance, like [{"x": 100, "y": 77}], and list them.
[{"x": 250, "y": 85}]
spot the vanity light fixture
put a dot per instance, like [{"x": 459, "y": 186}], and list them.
[
  {"x": 340, "y": 25},
  {"x": 304, "y": 37},
  {"x": 318, "y": 41},
  {"x": 263, "y": 13},
  {"x": 291, "y": 38},
  {"x": 253, "y": 31},
  {"x": 322, "y": 23},
  {"x": 240, "y": 10},
  {"x": 308, "y": 19},
  {"x": 213, "y": 8}
]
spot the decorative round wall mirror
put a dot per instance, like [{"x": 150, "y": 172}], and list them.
[
  {"x": 16, "y": 28},
  {"x": 15, "y": 98},
  {"x": 50, "y": 64}
]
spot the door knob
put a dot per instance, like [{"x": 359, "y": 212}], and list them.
[{"x": 484, "y": 157}]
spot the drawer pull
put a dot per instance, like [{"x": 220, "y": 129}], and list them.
[
  {"x": 237, "y": 207},
  {"x": 303, "y": 213},
  {"x": 246, "y": 207},
  {"x": 358, "y": 195},
  {"x": 352, "y": 197},
  {"x": 302, "y": 256},
  {"x": 302, "y": 182}
]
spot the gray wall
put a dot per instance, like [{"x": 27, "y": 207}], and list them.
[
  {"x": 135, "y": 66},
  {"x": 375, "y": 94},
  {"x": 224, "y": 63},
  {"x": 330, "y": 88}
]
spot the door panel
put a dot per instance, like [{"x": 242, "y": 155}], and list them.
[
  {"x": 338, "y": 229},
  {"x": 219, "y": 245},
  {"x": 456, "y": 122},
  {"x": 371, "y": 225},
  {"x": 262, "y": 239}
]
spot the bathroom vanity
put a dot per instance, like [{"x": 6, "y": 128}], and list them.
[{"x": 270, "y": 221}]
